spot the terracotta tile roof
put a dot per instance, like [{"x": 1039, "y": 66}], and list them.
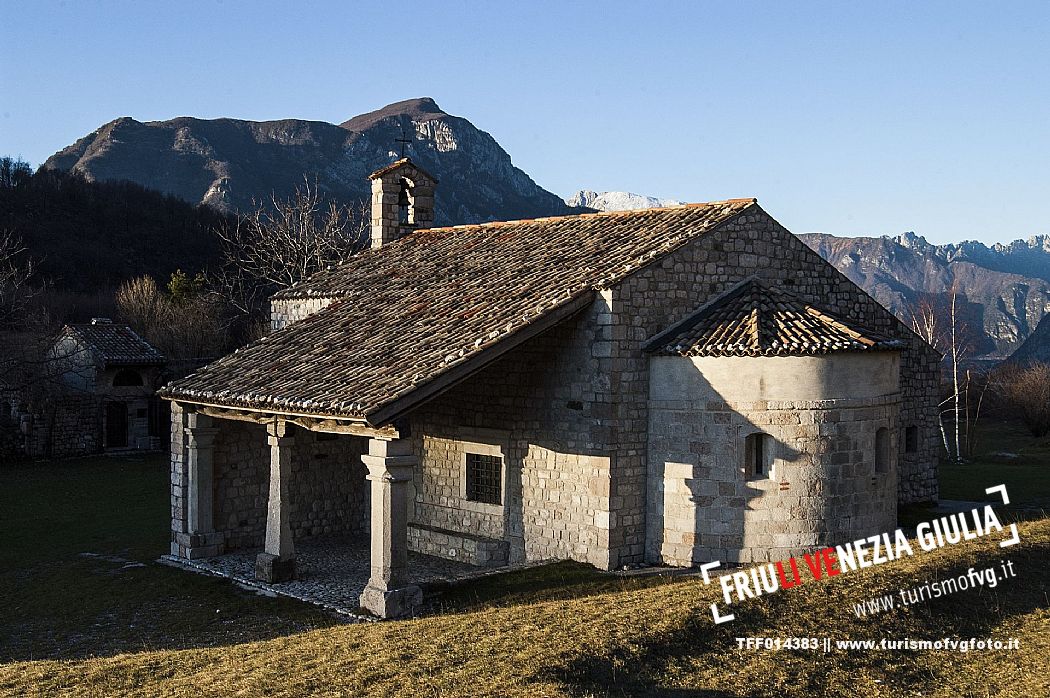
[
  {"x": 114, "y": 344},
  {"x": 753, "y": 319},
  {"x": 397, "y": 165},
  {"x": 415, "y": 309}
]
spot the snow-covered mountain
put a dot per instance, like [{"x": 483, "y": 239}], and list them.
[{"x": 617, "y": 200}]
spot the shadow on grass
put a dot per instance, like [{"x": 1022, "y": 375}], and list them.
[
  {"x": 557, "y": 581},
  {"x": 818, "y": 610},
  {"x": 78, "y": 570}
]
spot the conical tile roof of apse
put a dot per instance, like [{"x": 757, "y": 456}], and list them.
[{"x": 752, "y": 319}]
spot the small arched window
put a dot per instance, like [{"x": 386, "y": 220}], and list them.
[
  {"x": 758, "y": 456},
  {"x": 882, "y": 450},
  {"x": 127, "y": 377}
]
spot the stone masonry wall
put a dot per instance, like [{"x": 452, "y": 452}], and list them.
[
  {"x": 176, "y": 443},
  {"x": 823, "y": 487},
  {"x": 284, "y": 312},
  {"x": 328, "y": 487},
  {"x": 543, "y": 404},
  {"x": 66, "y": 425},
  {"x": 752, "y": 244}
]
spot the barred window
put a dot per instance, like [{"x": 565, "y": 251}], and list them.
[{"x": 484, "y": 478}]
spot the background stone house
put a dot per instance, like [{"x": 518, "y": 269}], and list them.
[
  {"x": 98, "y": 394},
  {"x": 665, "y": 385}
]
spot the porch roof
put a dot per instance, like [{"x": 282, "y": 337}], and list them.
[{"x": 414, "y": 316}]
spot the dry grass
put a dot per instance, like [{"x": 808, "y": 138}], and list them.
[{"x": 657, "y": 640}]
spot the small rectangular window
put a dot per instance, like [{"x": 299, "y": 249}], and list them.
[
  {"x": 484, "y": 478},
  {"x": 911, "y": 439},
  {"x": 758, "y": 456},
  {"x": 758, "y": 463}
]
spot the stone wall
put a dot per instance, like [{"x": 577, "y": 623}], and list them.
[
  {"x": 543, "y": 405},
  {"x": 659, "y": 294},
  {"x": 465, "y": 547},
  {"x": 66, "y": 425},
  {"x": 284, "y": 312},
  {"x": 822, "y": 414}
]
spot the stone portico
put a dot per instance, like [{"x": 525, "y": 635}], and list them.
[{"x": 506, "y": 392}]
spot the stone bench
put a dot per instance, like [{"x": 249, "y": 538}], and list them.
[{"x": 454, "y": 545}]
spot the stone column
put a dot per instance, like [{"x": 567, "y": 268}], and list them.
[
  {"x": 277, "y": 562},
  {"x": 200, "y": 539},
  {"x": 390, "y": 467}
]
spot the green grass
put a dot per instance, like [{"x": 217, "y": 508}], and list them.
[
  {"x": 1027, "y": 476},
  {"x": 59, "y": 602}
]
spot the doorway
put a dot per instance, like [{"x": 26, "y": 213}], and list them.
[{"x": 116, "y": 424}]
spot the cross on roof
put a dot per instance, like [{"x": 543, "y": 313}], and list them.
[{"x": 403, "y": 141}]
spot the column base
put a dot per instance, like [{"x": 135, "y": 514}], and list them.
[
  {"x": 194, "y": 546},
  {"x": 272, "y": 569},
  {"x": 392, "y": 603}
]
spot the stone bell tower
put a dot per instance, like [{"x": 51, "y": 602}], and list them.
[{"x": 402, "y": 201}]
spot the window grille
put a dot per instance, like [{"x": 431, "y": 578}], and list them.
[{"x": 484, "y": 478}]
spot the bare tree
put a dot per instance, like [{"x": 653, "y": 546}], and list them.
[
  {"x": 938, "y": 322},
  {"x": 185, "y": 323},
  {"x": 141, "y": 305},
  {"x": 1027, "y": 391},
  {"x": 283, "y": 243},
  {"x": 16, "y": 276}
]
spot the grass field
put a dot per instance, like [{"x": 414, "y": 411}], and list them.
[
  {"x": 79, "y": 543},
  {"x": 116, "y": 623},
  {"x": 1004, "y": 453}
]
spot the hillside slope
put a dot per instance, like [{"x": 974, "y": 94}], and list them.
[{"x": 649, "y": 641}]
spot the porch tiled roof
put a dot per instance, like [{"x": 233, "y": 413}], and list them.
[
  {"x": 753, "y": 319},
  {"x": 114, "y": 344},
  {"x": 415, "y": 309}
]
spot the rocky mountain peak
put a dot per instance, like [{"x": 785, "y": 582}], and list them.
[
  {"x": 617, "y": 200},
  {"x": 418, "y": 109},
  {"x": 232, "y": 163}
]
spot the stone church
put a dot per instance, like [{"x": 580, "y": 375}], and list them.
[{"x": 666, "y": 386}]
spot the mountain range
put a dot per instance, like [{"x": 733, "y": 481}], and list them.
[
  {"x": 1003, "y": 290},
  {"x": 233, "y": 163},
  {"x": 230, "y": 164}
]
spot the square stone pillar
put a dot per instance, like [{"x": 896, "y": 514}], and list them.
[
  {"x": 200, "y": 539},
  {"x": 390, "y": 468},
  {"x": 277, "y": 562}
]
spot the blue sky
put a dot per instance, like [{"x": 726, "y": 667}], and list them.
[{"x": 850, "y": 118}]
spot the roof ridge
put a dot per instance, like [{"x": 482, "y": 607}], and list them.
[{"x": 596, "y": 214}]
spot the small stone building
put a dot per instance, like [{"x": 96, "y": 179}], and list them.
[
  {"x": 667, "y": 385},
  {"x": 101, "y": 396}
]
